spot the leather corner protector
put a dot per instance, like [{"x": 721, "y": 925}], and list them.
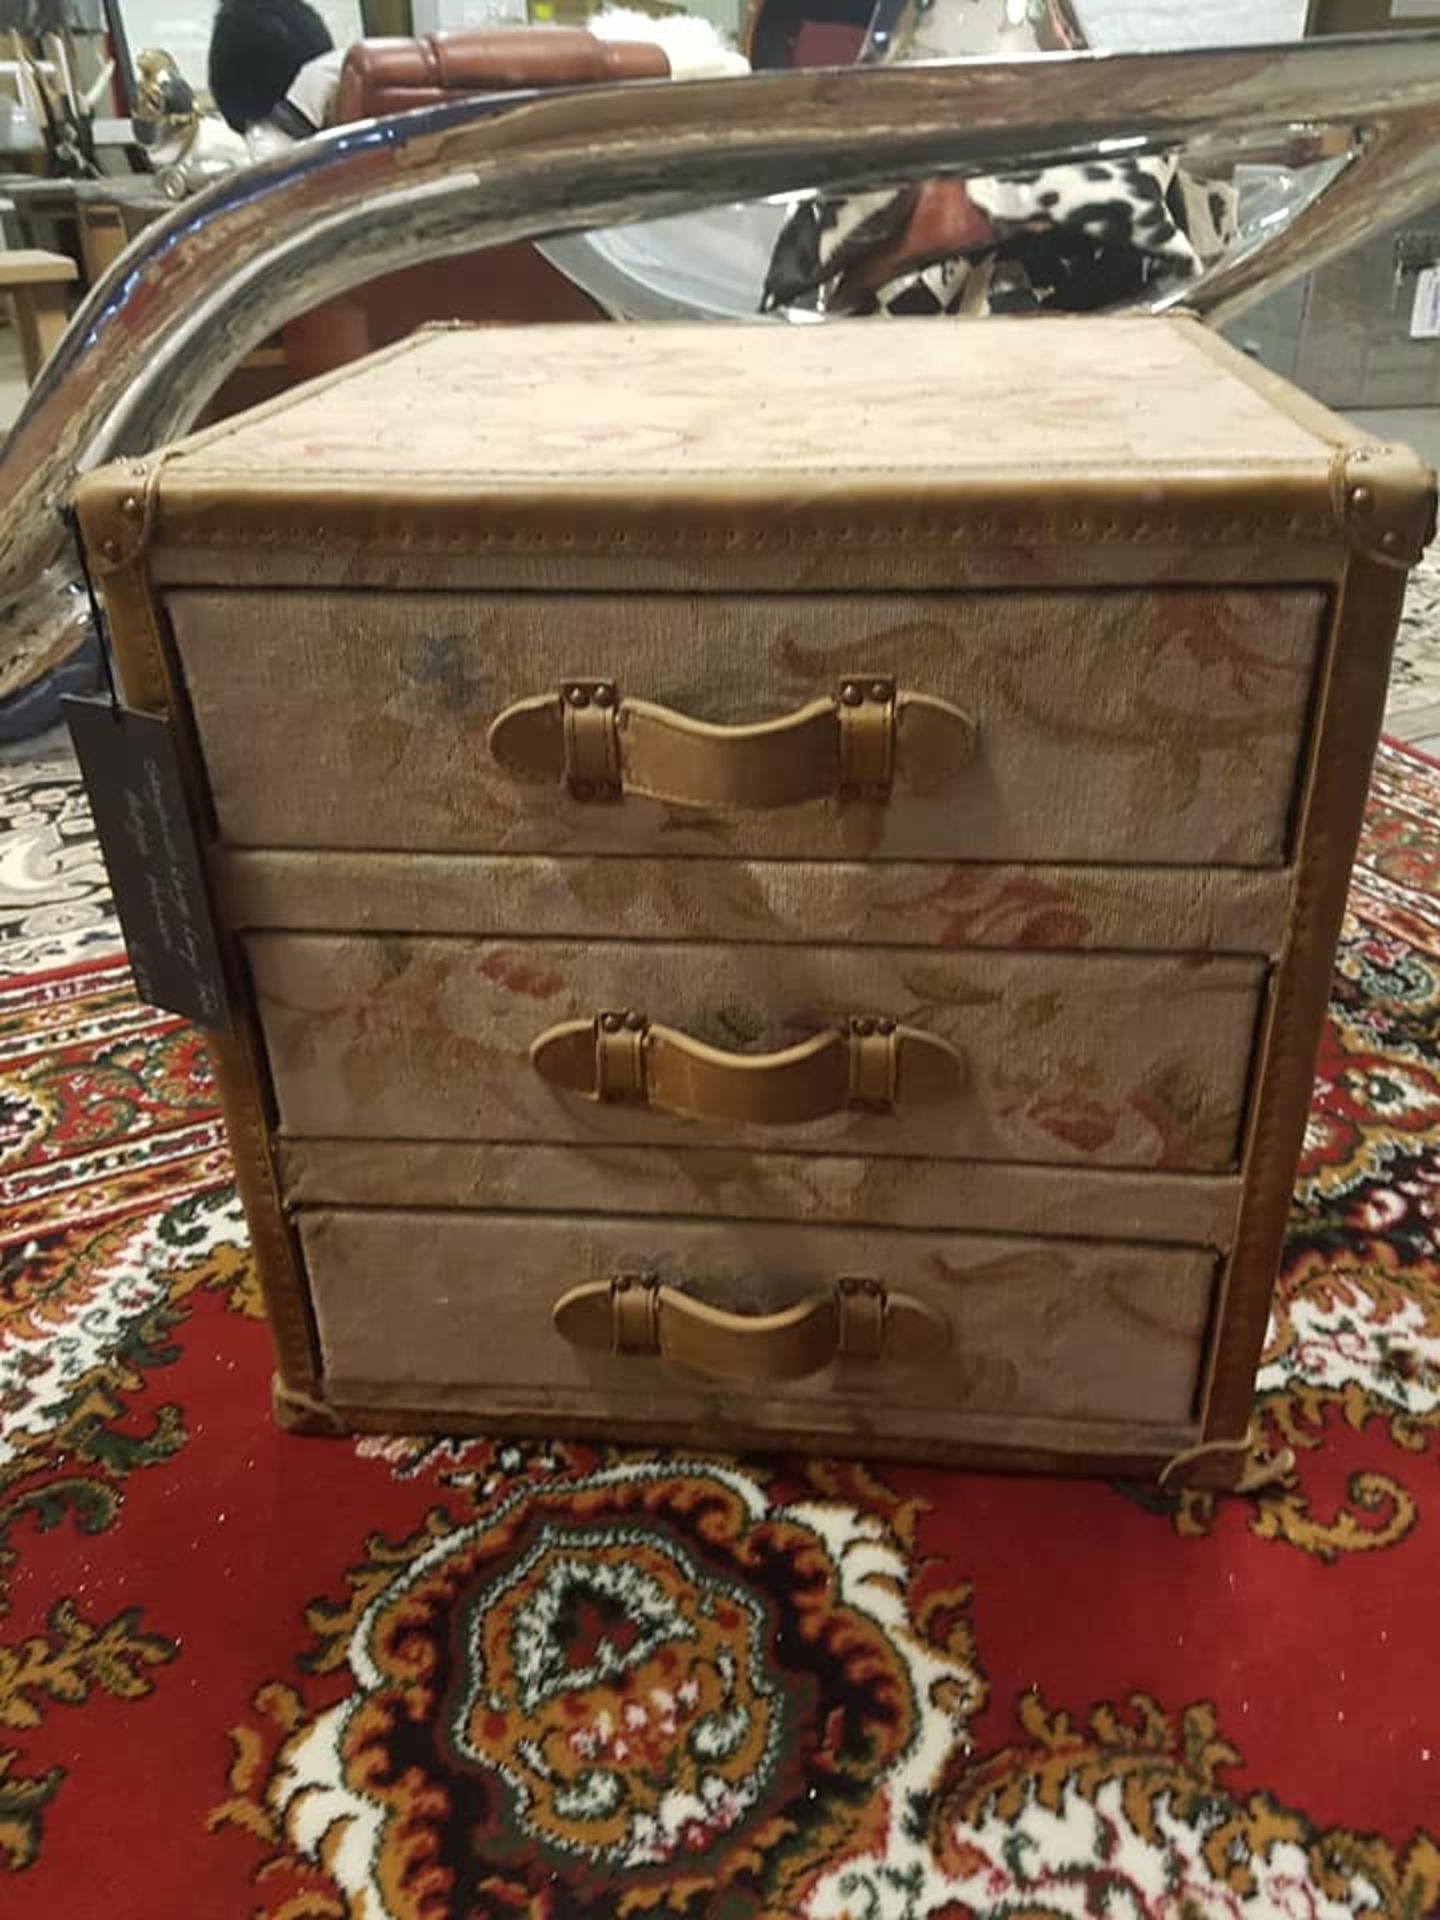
[
  {"x": 1387, "y": 499},
  {"x": 116, "y": 506},
  {"x": 300, "y": 1412}
]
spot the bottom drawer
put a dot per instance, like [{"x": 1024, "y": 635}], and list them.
[{"x": 1029, "y": 1343}]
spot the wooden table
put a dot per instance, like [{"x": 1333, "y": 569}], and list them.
[
  {"x": 36, "y": 282},
  {"x": 92, "y": 219}
]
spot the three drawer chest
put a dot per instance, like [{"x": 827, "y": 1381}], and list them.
[{"x": 777, "y": 885}]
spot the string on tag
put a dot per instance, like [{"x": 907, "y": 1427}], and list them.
[{"x": 97, "y": 612}]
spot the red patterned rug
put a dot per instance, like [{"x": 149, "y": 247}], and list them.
[{"x": 245, "y": 1673}]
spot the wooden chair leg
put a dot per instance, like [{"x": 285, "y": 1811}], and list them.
[{"x": 40, "y": 321}]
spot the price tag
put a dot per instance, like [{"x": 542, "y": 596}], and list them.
[{"x": 138, "y": 800}]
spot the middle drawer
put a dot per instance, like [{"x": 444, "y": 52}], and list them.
[{"x": 1106, "y": 1059}]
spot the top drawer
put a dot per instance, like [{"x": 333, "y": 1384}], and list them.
[{"x": 1155, "y": 726}]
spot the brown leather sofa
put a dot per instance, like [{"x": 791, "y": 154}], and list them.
[
  {"x": 506, "y": 285},
  {"x": 392, "y": 76}
]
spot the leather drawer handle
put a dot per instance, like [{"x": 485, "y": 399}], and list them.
[
  {"x": 602, "y": 747},
  {"x": 856, "y": 1319},
  {"x": 871, "y": 1064}
]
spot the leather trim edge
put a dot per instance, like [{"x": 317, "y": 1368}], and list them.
[
  {"x": 1354, "y": 674},
  {"x": 874, "y": 511},
  {"x": 150, "y": 684},
  {"x": 338, "y": 1413},
  {"x": 1387, "y": 500}
]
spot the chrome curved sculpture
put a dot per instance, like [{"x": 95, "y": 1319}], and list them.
[{"x": 176, "y": 313}]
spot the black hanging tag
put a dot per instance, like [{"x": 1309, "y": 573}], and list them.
[
  {"x": 138, "y": 800},
  {"x": 137, "y": 796}
]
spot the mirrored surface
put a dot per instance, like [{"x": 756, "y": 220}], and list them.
[{"x": 1112, "y": 233}]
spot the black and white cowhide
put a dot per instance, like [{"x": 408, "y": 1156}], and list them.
[{"x": 1070, "y": 239}]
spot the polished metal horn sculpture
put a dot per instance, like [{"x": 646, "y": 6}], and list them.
[{"x": 194, "y": 294}]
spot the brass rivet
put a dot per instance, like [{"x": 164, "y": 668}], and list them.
[
  {"x": 604, "y": 696},
  {"x": 110, "y": 549},
  {"x": 611, "y": 1022},
  {"x": 130, "y": 506},
  {"x": 1363, "y": 498},
  {"x": 879, "y": 690},
  {"x": 622, "y": 1283},
  {"x": 1390, "y": 541},
  {"x": 577, "y": 696},
  {"x": 864, "y": 1027},
  {"x": 851, "y": 694},
  {"x": 635, "y": 1022},
  {"x": 884, "y": 1026}
]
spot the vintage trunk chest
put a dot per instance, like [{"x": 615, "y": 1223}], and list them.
[{"x": 778, "y": 885}]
